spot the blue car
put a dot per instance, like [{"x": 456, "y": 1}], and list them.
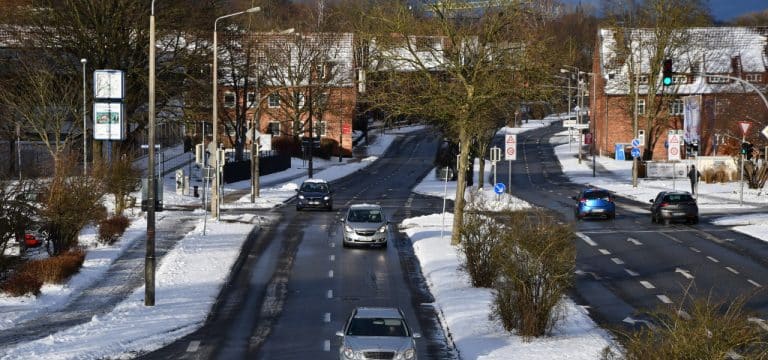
[{"x": 595, "y": 203}]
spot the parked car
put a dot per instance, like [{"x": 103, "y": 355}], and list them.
[
  {"x": 593, "y": 202},
  {"x": 377, "y": 333},
  {"x": 671, "y": 206},
  {"x": 314, "y": 193},
  {"x": 365, "y": 224}
]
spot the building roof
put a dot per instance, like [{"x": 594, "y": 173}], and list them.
[{"x": 732, "y": 51}]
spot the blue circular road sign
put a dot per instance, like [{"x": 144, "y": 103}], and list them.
[
  {"x": 499, "y": 188},
  {"x": 635, "y": 152},
  {"x": 635, "y": 142}
]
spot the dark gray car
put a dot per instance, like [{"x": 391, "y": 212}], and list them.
[
  {"x": 314, "y": 193},
  {"x": 377, "y": 333},
  {"x": 365, "y": 224},
  {"x": 671, "y": 206}
]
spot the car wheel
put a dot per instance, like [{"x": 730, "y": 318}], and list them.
[
  {"x": 666, "y": 221},
  {"x": 384, "y": 245},
  {"x": 695, "y": 220},
  {"x": 344, "y": 244},
  {"x": 329, "y": 208},
  {"x": 298, "y": 208}
]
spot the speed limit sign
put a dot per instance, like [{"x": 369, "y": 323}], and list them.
[{"x": 510, "y": 147}]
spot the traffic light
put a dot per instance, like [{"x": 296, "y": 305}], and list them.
[
  {"x": 666, "y": 72},
  {"x": 749, "y": 151}
]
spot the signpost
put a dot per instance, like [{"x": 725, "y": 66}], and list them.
[
  {"x": 510, "y": 153},
  {"x": 744, "y": 127},
  {"x": 495, "y": 157}
]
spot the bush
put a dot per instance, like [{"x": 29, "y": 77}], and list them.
[
  {"x": 22, "y": 283},
  {"x": 328, "y": 147},
  {"x": 536, "y": 263},
  {"x": 56, "y": 269},
  {"x": 110, "y": 229},
  {"x": 480, "y": 236},
  {"x": 286, "y": 145},
  {"x": 705, "y": 330}
]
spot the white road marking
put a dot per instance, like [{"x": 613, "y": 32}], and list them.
[
  {"x": 327, "y": 345},
  {"x": 695, "y": 249},
  {"x": 732, "y": 270},
  {"x": 330, "y": 273},
  {"x": 586, "y": 239},
  {"x": 647, "y": 285},
  {"x": 604, "y": 252},
  {"x": 332, "y": 257},
  {"x": 327, "y": 317},
  {"x": 333, "y": 244},
  {"x": 617, "y": 261},
  {"x": 755, "y": 283},
  {"x": 330, "y": 294},
  {"x": 193, "y": 346},
  {"x": 634, "y": 241},
  {"x": 713, "y": 259},
  {"x": 664, "y": 299},
  {"x": 631, "y": 273},
  {"x": 684, "y": 272}
]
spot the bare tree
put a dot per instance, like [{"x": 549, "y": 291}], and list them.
[{"x": 451, "y": 67}]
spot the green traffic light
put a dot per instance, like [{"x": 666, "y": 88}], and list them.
[{"x": 667, "y": 81}]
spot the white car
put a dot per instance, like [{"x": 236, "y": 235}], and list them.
[
  {"x": 377, "y": 333},
  {"x": 365, "y": 224}
]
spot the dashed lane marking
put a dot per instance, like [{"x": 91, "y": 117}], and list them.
[
  {"x": 754, "y": 283},
  {"x": 330, "y": 273},
  {"x": 732, "y": 270},
  {"x": 631, "y": 273},
  {"x": 193, "y": 346},
  {"x": 617, "y": 261},
  {"x": 664, "y": 299},
  {"x": 713, "y": 259},
  {"x": 332, "y": 257},
  {"x": 604, "y": 252},
  {"x": 327, "y": 345},
  {"x": 634, "y": 241},
  {"x": 329, "y": 295},
  {"x": 327, "y": 317},
  {"x": 647, "y": 284},
  {"x": 586, "y": 239},
  {"x": 695, "y": 249}
]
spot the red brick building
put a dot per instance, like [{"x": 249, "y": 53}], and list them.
[{"x": 705, "y": 99}]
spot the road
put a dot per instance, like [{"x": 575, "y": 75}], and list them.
[
  {"x": 629, "y": 266},
  {"x": 295, "y": 285}
]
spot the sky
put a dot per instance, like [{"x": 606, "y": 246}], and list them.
[
  {"x": 190, "y": 276},
  {"x": 722, "y": 10}
]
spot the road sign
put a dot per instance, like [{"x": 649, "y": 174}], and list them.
[
  {"x": 495, "y": 154},
  {"x": 580, "y": 126},
  {"x": 635, "y": 142},
  {"x": 510, "y": 147},
  {"x": 635, "y": 152},
  {"x": 673, "y": 152},
  {"x": 499, "y": 188},
  {"x": 744, "y": 127},
  {"x": 765, "y": 132},
  {"x": 569, "y": 123}
]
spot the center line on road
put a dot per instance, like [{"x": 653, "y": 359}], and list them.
[
  {"x": 617, "y": 261},
  {"x": 634, "y": 241},
  {"x": 755, "y": 283},
  {"x": 330, "y": 294},
  {"x": 713, "y": 259},
  {"x": 332, "y": 257},
  {"x": 327, "y": 317},
  {"x": 193, "y": 346},
  {"x": 586, "y": 239},
  {"x": 695, "y": 249},
  {"x": 604, "y": 252},
  {"x": 647, "y": 285},
  {"x": 327, "y": 345},
  {"x": 330, "y": 273},
  {"x": 732, "y": 270},
  {"x": 664, "y": 299},
  {"x": 631, "y": 273}
]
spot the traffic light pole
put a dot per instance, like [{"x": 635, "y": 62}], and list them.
[{"x": 741, "y": 193}]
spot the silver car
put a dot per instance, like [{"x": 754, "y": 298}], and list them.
[
  {"x": 365, "y": 224},
  {"x": 377, "y": 333}
]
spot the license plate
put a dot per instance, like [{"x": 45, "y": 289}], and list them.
[
  {"x": 597, "y": 210},
  {"x": 678, "y": 214},
  {"x": 314, "y": 203}
]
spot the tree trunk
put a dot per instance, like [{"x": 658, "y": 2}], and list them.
[{"x": 461, "y": 180}]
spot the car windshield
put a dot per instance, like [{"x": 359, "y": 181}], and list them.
[
  {"x": 314, "y": 187},
  {"x": 592, "y": 195},
  {"x": 678, "y": 198},
  {"x": 371, "y": 216},
  {"x": 377, "y": 327}
]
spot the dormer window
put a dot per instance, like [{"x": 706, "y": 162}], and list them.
[
  {"x": 717, "y": 80},
  {"x": 229, "y": 99},
  {"x": 754, "y": 78}
]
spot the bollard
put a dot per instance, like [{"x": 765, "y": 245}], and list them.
[{"x": 197, "y": 194}]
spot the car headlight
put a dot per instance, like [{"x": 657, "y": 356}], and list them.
[
  {"x": 383, "y": 228},
  {"x": 348, "y": 353},
  {"x": 326, "y": 198},
  {"x": 409, "y": 354},
  {"x": 348, "y": 229},
  {"x": 301, "y": 197}
]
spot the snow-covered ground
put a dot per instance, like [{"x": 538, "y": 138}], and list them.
[{"x": 191, "y": 274}]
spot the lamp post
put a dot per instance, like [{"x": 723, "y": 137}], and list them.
[
  {"x": 216, "y": 180},
  {"x": 149, "y": 258},
  {"x": 592, "y": 119},
  {"x": 85, "y": 122}
]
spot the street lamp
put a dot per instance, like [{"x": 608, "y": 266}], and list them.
[
  {"x": 149, "y": 258},
  {"x": 85, "y": 122},
  {"x": 214, "y": 141}
]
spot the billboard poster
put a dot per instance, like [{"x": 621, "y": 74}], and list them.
[
  {"x": 108, "y": 122},
  {"x": 108, "y": 84},
  {"x": 692, "y": 118}
]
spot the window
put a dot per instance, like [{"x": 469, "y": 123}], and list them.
[
  {"x": 679, "y": 79},
  {"x": 251, "y": 99},
  {"x": 642, "y": 79},
  {"x": 319, "y": 128},
  {"x": 754, "y": 78},
  {"x": 274, "y": 101},
  {"x": 301, "y": 101},
  {"x": 676, "y": 107},
  {"x": 273, "y": 128},
  {"x": 717, "y": 80},
  {"x": 229, "y": 99},
  {"x": 641, "y": 106}
]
